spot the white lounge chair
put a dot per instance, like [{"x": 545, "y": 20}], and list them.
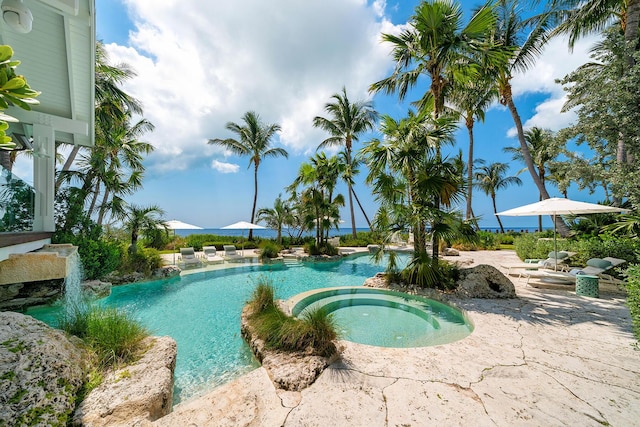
[
  {"x": 595, "y": 267},
  {"x": 211, "y": 256},
  {"x": 230, "y": 253},
  {"x": 189, "y": 257},
  {"x": 553, "y": 262}
]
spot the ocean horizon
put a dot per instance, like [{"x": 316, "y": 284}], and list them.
[{"x": 272, "y": 234}]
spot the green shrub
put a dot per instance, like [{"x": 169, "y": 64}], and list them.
[
  {"x": 145, "y": 261},
  {"x": 269, "y": 249},
  {"x": 323, "y": 249},
  {"x": 535, "y": 246},
  {"x": 633, "y": 297},
  {"x": 263, "y": 297},
  {"x": 427, "y": 272},
  {"x": 363, "y": 238},
  {"x": 99, "y": 257}
]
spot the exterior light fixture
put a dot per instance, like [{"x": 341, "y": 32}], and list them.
[{"x": 17, "y": 16}]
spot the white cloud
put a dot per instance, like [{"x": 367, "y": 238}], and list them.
[
  {"x": 203, "y": 64},
  {"x": 555, "y": 63},
  {"x": 224, "y": 167}
]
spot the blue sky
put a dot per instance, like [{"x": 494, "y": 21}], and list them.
[{"x": 203, "y": 64}]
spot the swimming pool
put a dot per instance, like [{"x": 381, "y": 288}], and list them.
[
  {"x": 202, "y": 313},
  {"x": 386, "y": 318}
]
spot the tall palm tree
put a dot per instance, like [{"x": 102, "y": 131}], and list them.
[
  {"x": 471, "y": 100},
  {"x": 525, "y": 39},
  {"x": 490, "y": 178},
  {"x": 347, "y": 120},
  {"x": 437, "y": 45},
  {"x": 543, "y": 151},
  {"x": 254, "y": 141},
  {"x": 140, "y": 219},
  {"x": 113, "y": 105}
]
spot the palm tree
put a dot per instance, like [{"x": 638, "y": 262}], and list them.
[
  {"x": 490, "y": 178},
  {"x": 437, "y": 46},
  {"x": 255, "y": 142},
  {"x": 543, "y": 149},
  {"x": 525, "y": 39},
  {"x": 471, "y": 100},
  {"x": 346, "y": 122},
  {"x": 113, "y": 105},
  {"x": 275, "y": 217},
  {"x": 141, "y": 219}
]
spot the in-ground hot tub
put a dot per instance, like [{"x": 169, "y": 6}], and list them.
[{"x": 386, "y": 318}]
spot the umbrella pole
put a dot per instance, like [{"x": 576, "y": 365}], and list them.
[{"x": 555, "y": 244}]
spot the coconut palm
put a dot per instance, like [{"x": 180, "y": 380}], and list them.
[
  {"x": 347, "y": 120},
  {"x": 437, "y": 45},
  {"x": 543, "y": 151},
  {"x": 113, "y": 105},
  {"x": 275, "y": 217},
  {"x": 490, "y": 178},
  {"x": 525, "y": 38},
  {"x": 254, "y": 141},
  {"x": 471, "y": 100},
  {"x": 140, "y": 219}
]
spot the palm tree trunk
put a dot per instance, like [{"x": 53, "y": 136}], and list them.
[
  {"x": 103, "y": 206},
  {"x": 67, "y": 164},
  {"x": 526, "y": 154},
  {"x": 5, "y": 160},
  {"x": 96, "y": 190},
  {"x": 469, "y": 214},
  {"x": 361, "y": 208},
  {"x": 255, "y": 199},
  {"x": 495, "y": 211},
  {"x": 351, "y": 210}
]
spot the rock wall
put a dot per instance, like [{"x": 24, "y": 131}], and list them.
[
  {"x": 135, "y": 394},
  {"x": 40, "y": 372},
  {"x": 17, "y": 296}
]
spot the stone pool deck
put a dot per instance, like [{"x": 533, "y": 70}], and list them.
[{"x": 547, "y": 358}]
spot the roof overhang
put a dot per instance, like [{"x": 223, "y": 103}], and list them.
[{"x": 58, "y": 59}]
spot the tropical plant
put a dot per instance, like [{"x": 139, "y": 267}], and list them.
[
  {"x": 254, "y": 141},
  {"x": 490, "y": 178},
  {"x": 14, "y": 90},
  {"x": 139, "y": 219},
  {"x": 275, "y": 218},
  {"x": 346, "y": 122}
]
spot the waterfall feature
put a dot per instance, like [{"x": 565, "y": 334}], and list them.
[{"x": 73, "y": 300}]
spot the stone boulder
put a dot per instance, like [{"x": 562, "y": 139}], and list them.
[
  {"x": 136, "y": 394},
  {"x": 16, "y": 296},
  {"x": 95, "y": 289},
  {"x": 120, "y": 279},
  {"x": 484, "y": 281},
  {"x": 41, "y": 371},
  {"x": 166, "y": 272}
]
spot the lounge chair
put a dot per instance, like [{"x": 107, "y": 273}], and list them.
[
  {"x": 230, "y": 253},
  {"x": 554, "y": 262},
  {"x": 189, "y": 257},
  {"x": 595, "y": 267},
  {"x": 211, "y": 256}
]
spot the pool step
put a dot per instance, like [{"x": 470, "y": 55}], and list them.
[{"x": 292, "y": 262}]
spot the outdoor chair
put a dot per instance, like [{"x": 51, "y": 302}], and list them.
[
  {"x": 230, "y": 253},
  {"x": 189, "y": 257},
  {"x": 594, "y": 267},
  {"x": 554, "y": 261},
  {"x": 211, "y": 256}
]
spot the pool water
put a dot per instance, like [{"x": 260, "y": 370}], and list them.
[
  {"x": 388, "y": 319},
  {"x": 202, "y": 313}
]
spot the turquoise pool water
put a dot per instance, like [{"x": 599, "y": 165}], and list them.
[
  {"x": 388, "y": 319},
  {"x": 202, "y": 313}
]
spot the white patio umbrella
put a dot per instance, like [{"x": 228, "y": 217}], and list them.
[
  {"x": 174, "y": 224},
  {"x": 243, "y": 225},
  {"x": 558, "y": 206}
]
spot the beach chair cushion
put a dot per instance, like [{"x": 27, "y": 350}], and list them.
[
  {"x": 559, "y": 255},
  {"x": 599, "y": 263}
]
